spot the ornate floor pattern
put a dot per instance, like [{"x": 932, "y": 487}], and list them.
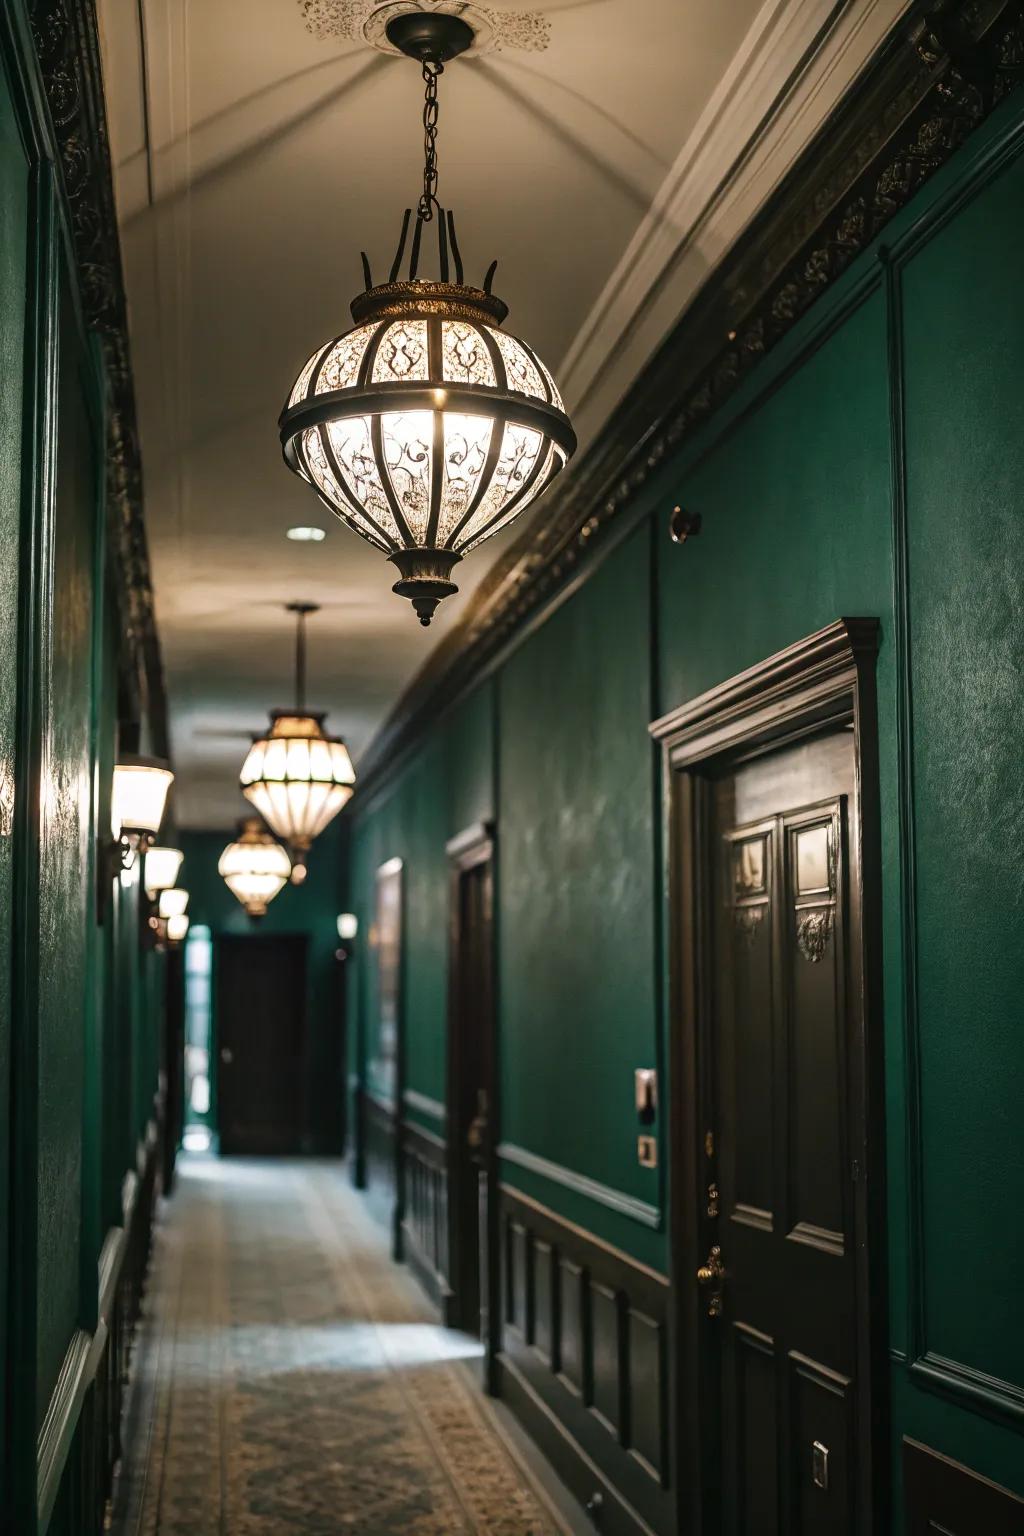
[{"x": 291, "y": 1381}]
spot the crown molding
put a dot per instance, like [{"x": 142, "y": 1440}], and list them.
[
  {"x": 940, "y": 74},
  {"x": 793, "y": 67},
  {"x": 67, "y": 50}
]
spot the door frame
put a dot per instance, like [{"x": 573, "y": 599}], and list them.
[
  {"x": 470, "y": 850},
  {"x": 299, "y": 942},
  {"x": 826, "y": 680}
]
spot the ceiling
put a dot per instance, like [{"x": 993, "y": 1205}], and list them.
[{"x": 607, "y": 152}]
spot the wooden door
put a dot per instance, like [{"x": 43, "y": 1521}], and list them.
[
  {"x": 261, "y": 1041},
  {"x": 776, "y": 1096},
  {"x": 471, "y": 1083},
  {"x": 779, "y": 1279}
]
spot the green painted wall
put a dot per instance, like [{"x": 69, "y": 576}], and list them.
[
  {"x": 79, "y": 1009},
  {"x": 444, "y": 789},
  {"x": 13, "y": 241},
  {"x": 66, "y": 926},
  {"x": 894, "y": 392},
  {"x": 577, "y": 967},
  {"x": 310, "y": 909}
]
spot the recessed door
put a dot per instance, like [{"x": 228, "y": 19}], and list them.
[
  {"x": 778, "y": 1285},
  {"x": 261, "y": 1043},
  {"x": 471, "y": 1085}
]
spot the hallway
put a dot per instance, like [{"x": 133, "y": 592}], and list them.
[{"x": 291, "y": 1379}]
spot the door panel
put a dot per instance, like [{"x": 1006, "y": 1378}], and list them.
[
  {"x": 786, "y": 1336},
  {"x": 261, "y": 1037}
]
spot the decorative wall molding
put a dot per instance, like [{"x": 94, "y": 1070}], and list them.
[
  {"x": 789, "y": 73},
  {"x": 626, "y": 1205},
  {"x": 432, "y": 1108},
  {"x": 941, "y": 74},
  {"x": 67, "y": 48}
]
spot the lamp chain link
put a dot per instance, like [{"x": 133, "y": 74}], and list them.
[{"x": 428, "y": 200}]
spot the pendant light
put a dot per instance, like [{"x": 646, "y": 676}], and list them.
[
  {"x": 426, "y": 428},
  {"x": 254, "y": 867},
  {"x": 296, "y": 776}
]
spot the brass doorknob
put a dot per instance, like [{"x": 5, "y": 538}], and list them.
[{"x": 713, "y": 1272}]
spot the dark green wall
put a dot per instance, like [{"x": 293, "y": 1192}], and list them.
[
  {"x": 889, "y": 422},
  {"x": 310, "y": 909},
  {"x": 80, "y": 1007},
  {"x": 446, "y": 788},
  {"x": 13, "y": 241}
]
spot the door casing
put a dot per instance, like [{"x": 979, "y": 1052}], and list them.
[
  {"x": 472, "y": 851},
  {"x": 826, "y": 681}
]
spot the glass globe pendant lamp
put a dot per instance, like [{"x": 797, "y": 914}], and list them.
[
  {"x": 254, "y": 867},
  {"x": 426, "y": 428},
  {"x": 297, "y": 776}
]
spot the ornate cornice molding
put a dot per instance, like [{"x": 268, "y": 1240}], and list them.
[
  {"x": 67, "y": 48},
  {"x": 942, "y": 73}
]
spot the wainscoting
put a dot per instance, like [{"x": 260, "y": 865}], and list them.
[
  {"x": 378, "y": 1123},
  {"x": 584, "y": 1364},
  {"x": 80, "y": 1440},
  {"x": 425, "y": 1212},
  {"x": 942, "y": 1496}
]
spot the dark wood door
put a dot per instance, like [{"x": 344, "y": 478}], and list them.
[
  {"x": 261, "y": 1041},
  {"x": 779, "y": 1282},
  {"x": 471, "y": 1106}
]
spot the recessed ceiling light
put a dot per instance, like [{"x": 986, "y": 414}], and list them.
[{"x": 307, "y": 535}]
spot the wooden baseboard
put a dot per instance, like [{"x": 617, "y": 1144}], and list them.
[{"x": 583, "y": 1477}]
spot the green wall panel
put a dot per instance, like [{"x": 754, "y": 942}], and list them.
[
  {"x": 577, "y": 997},
  {"x": 65, "y": 925},
  {"x": 796, "y": 504},
  {"x": 964, "y": 347}
]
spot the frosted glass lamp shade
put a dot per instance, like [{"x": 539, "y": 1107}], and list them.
[
  {"x": 162, "y": 867},
  {"x": 348, "y": 926},
  {"x": 139, "y": 796},
  {"x": 426, "y": 429},
  {"x": 297, "y": 777},
  {"x": 177, "y": 927},
  {"x": 173, "y": 902},
  {"x": 255, "y": 867}
]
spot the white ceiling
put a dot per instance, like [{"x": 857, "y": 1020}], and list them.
[{"x": 254, "y": 160}]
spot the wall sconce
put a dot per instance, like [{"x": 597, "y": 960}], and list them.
[
  {"x": 173, "y": 902},
  {"x": 177, "y": 928},
  {"x": 138, "y": 798},
  {"x": 162, "y": 868},
  {"x": 348, "y": 926}
]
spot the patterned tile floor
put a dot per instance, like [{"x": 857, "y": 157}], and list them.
[{"x": 291, "y": 1381}]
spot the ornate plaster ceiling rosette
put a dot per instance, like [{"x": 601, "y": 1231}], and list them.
[{"x": 366, "y": 20}]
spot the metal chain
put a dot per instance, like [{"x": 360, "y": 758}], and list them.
[{"x": 428, "y": 201}]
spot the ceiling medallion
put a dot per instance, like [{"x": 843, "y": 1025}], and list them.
[
  {"x": 494, "y": 29},
  {"x": 426, "y": 428},
  {"x": 296, "y": 776}
]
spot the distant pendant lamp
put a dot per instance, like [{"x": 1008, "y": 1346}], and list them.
[
  {"x": 426, "y": 428},
  {"x": 296, "y": 776},
  {"x": 254, "y": 867}
]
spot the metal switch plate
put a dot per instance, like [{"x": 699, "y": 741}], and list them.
[
  {"x": 645, "y": 1082},
  {"x": 647, "y": 1151},
  {"x": 819, "y": 1464}
]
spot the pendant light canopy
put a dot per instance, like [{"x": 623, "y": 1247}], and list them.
[
  {"x": 255, "y": 867},
  {"x": 297, "y": 776},
  {"x": 426, "y": 428}
]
